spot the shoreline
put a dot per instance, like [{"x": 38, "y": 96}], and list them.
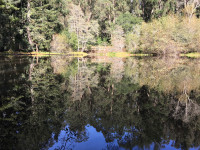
[{"x": 84, "y": 54}]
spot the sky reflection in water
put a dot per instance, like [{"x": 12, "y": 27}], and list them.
[{"x": 97, "y": 141}]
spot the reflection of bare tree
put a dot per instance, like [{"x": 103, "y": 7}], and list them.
[
  {"x": 117, "y": 65},
  {"x": 72, "y": 137},
  {"x": 164, "y": 74},
  {"x": 117, "y": 69},
  {"x": 59, "y": 63},
  {"x": 177, "y": 77},
  {"x": 185, "y": 108},
  {"x": 82, "y": 80},
  {"x": 32, "y": 65},
  {"x": 116, "y": 72}
]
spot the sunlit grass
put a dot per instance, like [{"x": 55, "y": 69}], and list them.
[
  {"x": 73, "y": 54},
  {"x": 141, "y": 55},
  {"x": 191, "y": 55},
  {"x": 78, "y": 54},
  {"x": 124, "y": 54}
]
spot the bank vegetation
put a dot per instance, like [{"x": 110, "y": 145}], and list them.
[{"x": 139, "y": 26}]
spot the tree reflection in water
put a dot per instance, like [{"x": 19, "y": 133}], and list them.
[{"x": 135, "y": 102}]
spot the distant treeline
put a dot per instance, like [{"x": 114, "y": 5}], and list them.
[{"x": 32, "y": 25}]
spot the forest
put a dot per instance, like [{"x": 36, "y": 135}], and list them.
[
  {"x": 136, "y": 26},
  {"x": 133, "y": 102}
]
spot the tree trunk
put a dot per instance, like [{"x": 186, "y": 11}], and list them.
[
  {"x": 29, "y": 20},
  {"x": 30, "y": 79}
]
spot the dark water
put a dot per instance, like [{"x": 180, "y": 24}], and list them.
[{"x": 99, "y": 103}]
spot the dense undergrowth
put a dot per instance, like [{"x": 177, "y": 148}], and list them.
[{"x": 167, "y": 35}]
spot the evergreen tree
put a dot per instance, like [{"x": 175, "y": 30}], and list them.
[
  {"x": 11, "y": 25},
  {"x": 43, "y": 22}
]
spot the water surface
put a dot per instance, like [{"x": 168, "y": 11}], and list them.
[{"x": 99, "y": 103}]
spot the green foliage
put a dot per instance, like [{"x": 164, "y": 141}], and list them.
[
  {"x": 71, "y": 39},
  {"x": 111, "y": 54},
  {"x": 26, "y": 101},
  {"x": 43, "y": 22},
  {"x": 132, "y": 42},
  {"x": 72, "y": 69},
  {"x": 102, "y": 69},
  {"x": 128, "y": 21},
  {"x": 102, "y": 41},
  {"x": 12, "y": 31}
]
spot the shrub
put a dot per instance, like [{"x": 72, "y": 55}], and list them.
[
  {"x": 59, "y": 44},
  {"x": 71, "y": 39},
  {"x": 127, "y": 21},
  {"x": 132, "y": 40},
  {"x": 169, "y": 35}
]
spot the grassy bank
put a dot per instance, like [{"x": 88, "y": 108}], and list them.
[
  {"x": 83, "y": 54},
  {"x": 44, "y": 53},
  {"x": 191, "y": 55}
]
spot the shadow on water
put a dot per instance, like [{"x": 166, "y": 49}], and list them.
[{"x": 113, "y": 103}]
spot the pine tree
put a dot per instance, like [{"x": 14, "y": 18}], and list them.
[
  {"x": 42, "y": 16},
  {"x": 11, "y": 24}
]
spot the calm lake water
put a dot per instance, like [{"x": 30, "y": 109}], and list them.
[{"x": 99, "y": 103}]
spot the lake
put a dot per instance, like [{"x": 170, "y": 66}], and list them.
[{"x": 99, "y": 103}]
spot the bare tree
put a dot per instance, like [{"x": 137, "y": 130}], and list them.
[
  {"x": 83, "y": 80},
  {"x": 118, "y": 38},
  {"x": 185, "y": 108},
  {"x": 191, "y": 7},
  {"x": 84, "y": 28}
]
